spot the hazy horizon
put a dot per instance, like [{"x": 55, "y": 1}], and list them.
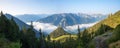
[{"x": 16, "y": 7}]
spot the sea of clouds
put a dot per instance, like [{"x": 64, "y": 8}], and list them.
[{"x": 48, "y": 28}]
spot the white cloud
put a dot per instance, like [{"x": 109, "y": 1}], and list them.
[
  {"x": 45, "y": 27},
  {"x": 48, "y": 28},
  {"x": 81, "y": 26}
]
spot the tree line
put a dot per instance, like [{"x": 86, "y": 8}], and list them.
[{"x": 12, "y": 37}]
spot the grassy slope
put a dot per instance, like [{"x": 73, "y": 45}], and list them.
[
  {"x": 112, "y": 21},
  {"x": 64, "y": 36}
]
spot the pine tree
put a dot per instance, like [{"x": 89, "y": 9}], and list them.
[
  {"x": 28, "y": 39},
  {"x": 48, "y": 38},
  {"x": 42, "y": 39},
  {"x": 31, "y": 26},
  {"x": 86, "y": 37},
  {"x": 4, "y": 23},
  {"x": 78, "y": 33},
  {"x": 13, "y": 29},
  {"x": 79, "y": 38},
  {"x": 23, "y": 38},
  {"x": 9, "y": 28}
]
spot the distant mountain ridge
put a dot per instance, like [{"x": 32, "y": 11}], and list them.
[
  {"x": 30, "y": 17},
  {"x": 69, "y": 19}
]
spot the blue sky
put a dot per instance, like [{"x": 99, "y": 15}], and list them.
[{"x": 15, "y": 7}]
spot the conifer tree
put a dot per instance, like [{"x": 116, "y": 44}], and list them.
[
  {"x": 42, "y": 39},
  {"x": 78, "y": 32},
  {"x": 4, "y": 23},
  {"x": 48, "y": 38},
  {"x": 13, "y": 29}
]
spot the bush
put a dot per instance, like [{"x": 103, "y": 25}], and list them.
[
  {"x": 116, "y": 35},
  {"x": 91, "y": 45},
  {"x": 14, "y": 45}
]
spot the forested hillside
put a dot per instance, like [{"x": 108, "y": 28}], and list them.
[
  {"x": 104, "y": 34},
  {"x": 12, "y": 37}
]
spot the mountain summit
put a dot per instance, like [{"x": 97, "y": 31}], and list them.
[
  {"x": 69, "y": 19},
  {"x": 58, "y": 32}
]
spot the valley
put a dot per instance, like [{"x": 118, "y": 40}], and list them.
[
  {"x": 59, "y": 23},
  {"x": 104, "y": 33}
]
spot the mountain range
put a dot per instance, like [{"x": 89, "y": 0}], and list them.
[
  {"x": 69, "y": 19},
  {"x": 105, "y": 33},
  {"x": 30, "y": 17}
]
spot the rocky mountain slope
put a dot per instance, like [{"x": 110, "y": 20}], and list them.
[{"x": 69, "y": 19}]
